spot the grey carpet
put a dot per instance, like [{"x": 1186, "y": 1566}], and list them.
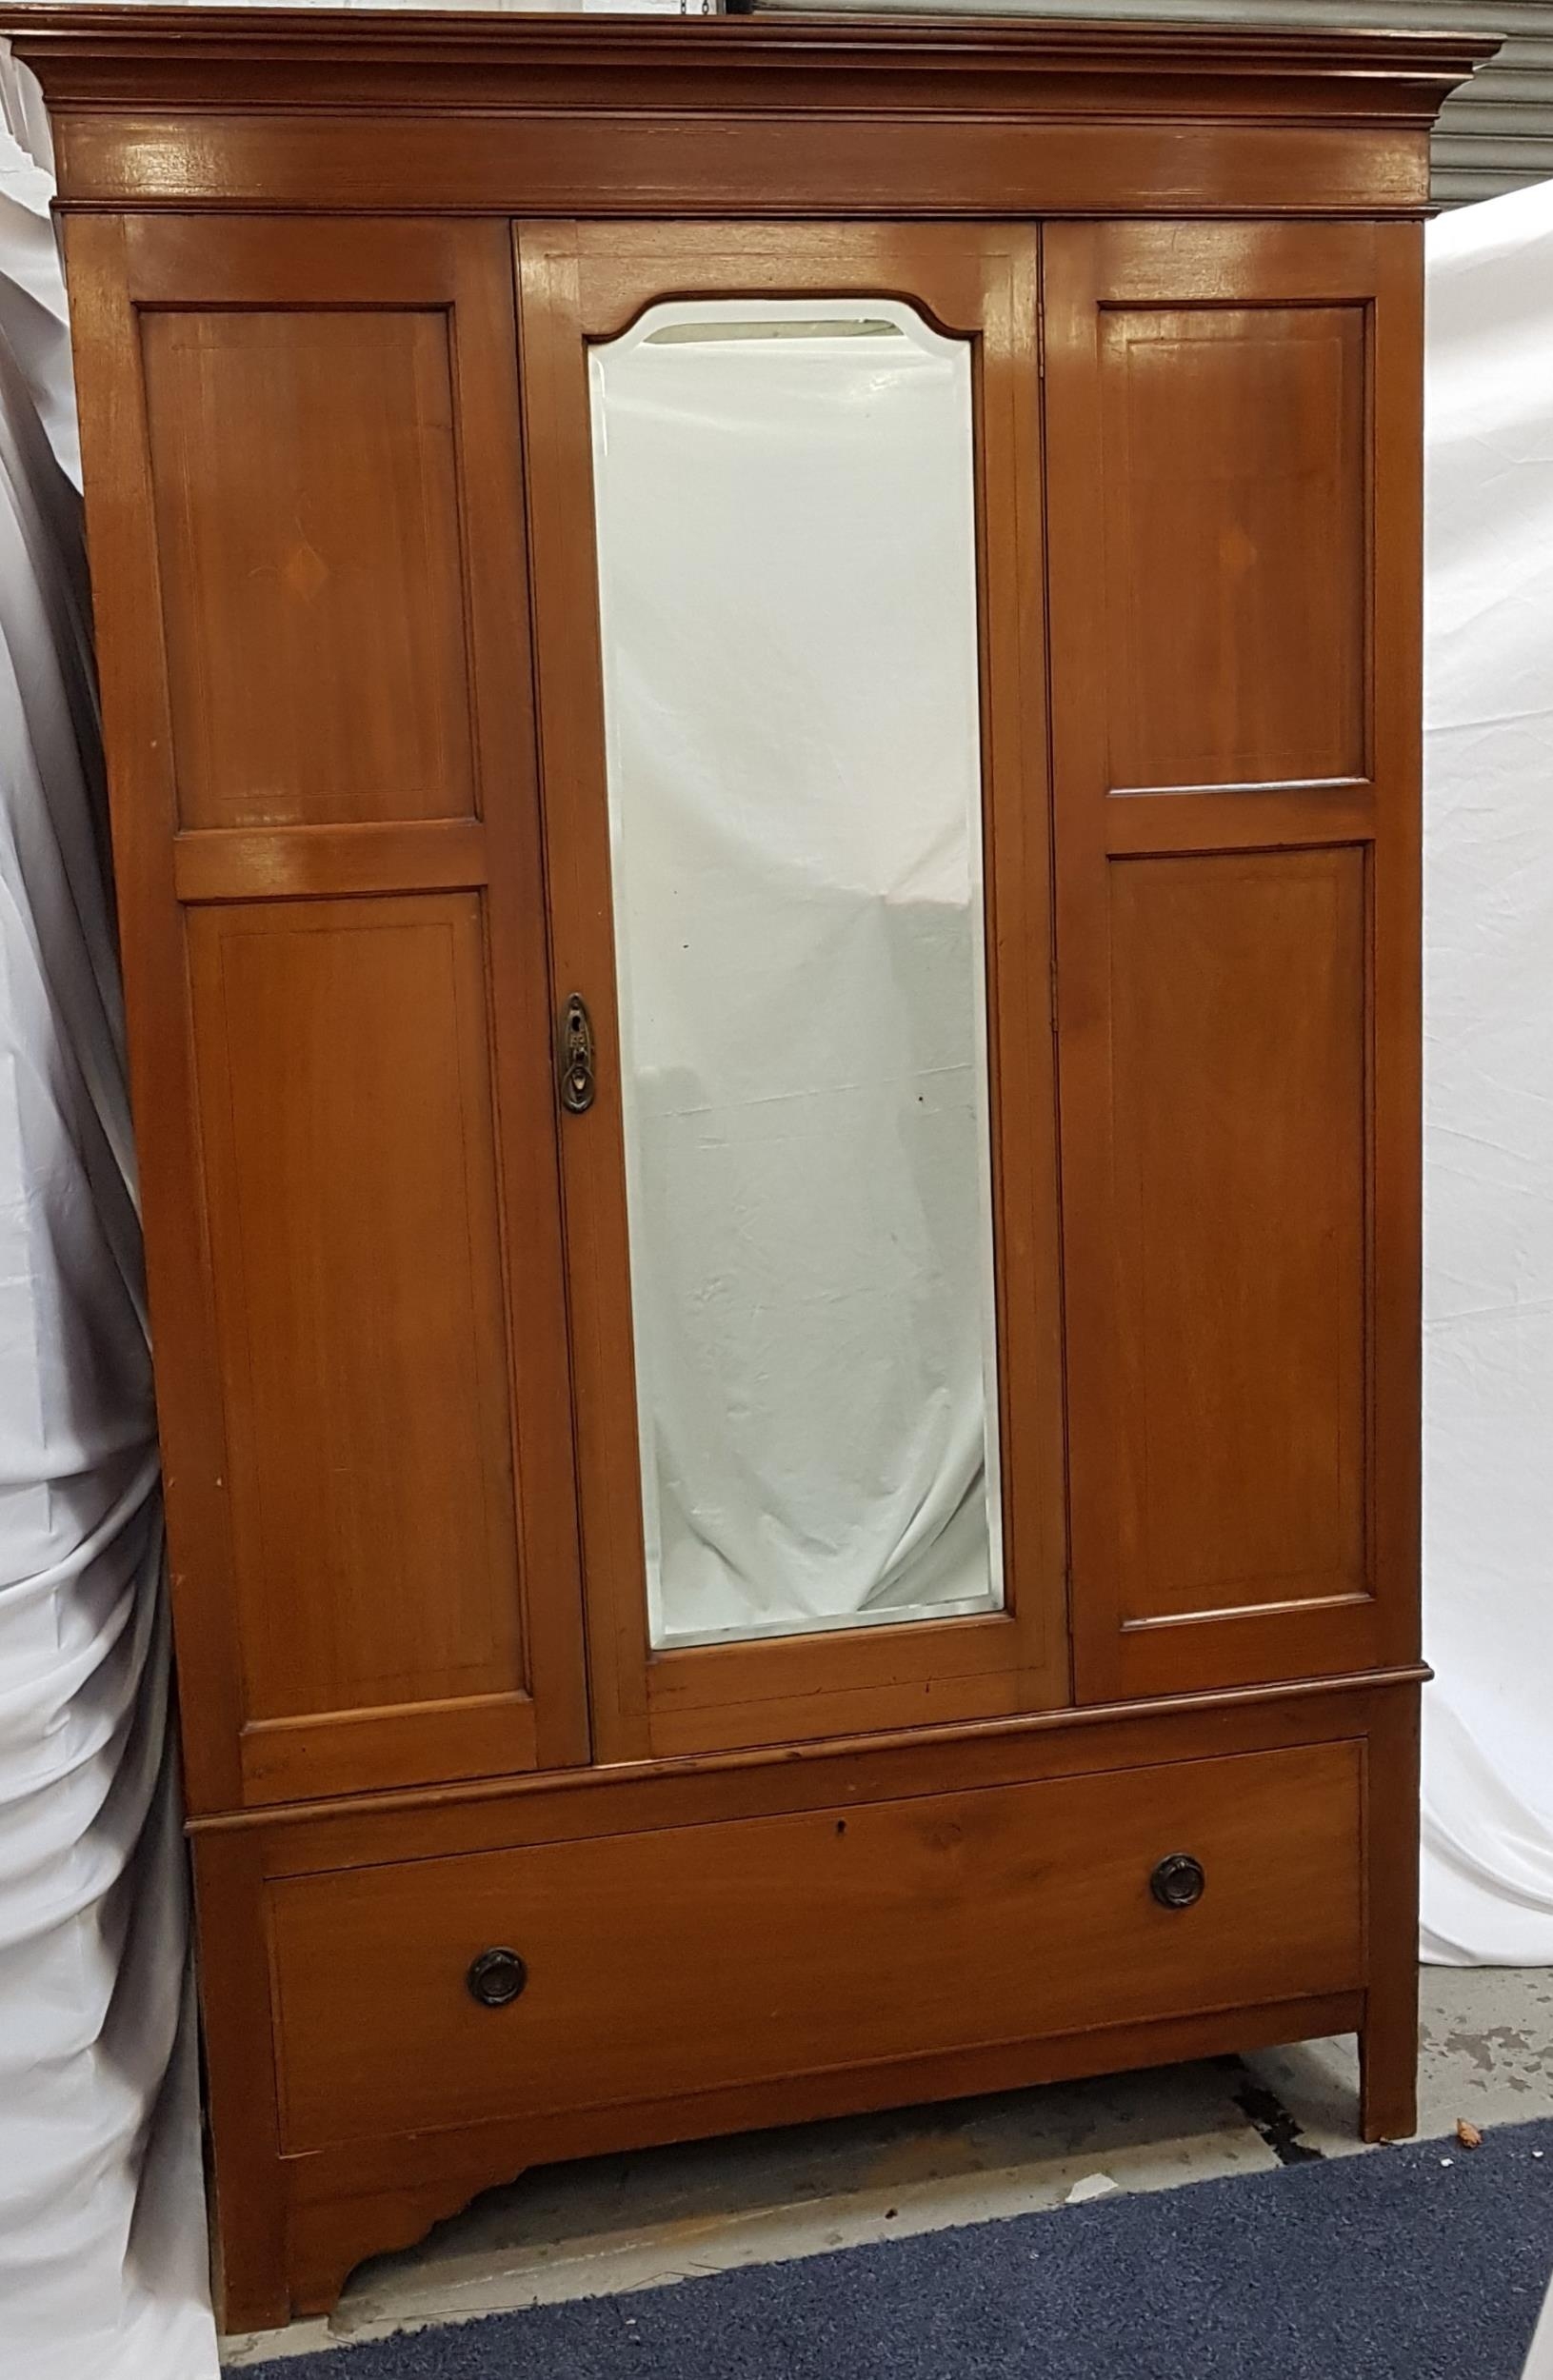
[{"x": 1393, "y": 2266}]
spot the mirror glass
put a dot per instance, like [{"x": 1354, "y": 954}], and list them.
[{"x": 787, "y": 547}]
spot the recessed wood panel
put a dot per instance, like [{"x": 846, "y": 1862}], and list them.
[
  {"x": 1233, "y": 445},
  {"x": 345, "y": 1110},
  {"x": 308, "y": 549},
  {"x": 886, "y": 1930},
  {"x": 1238, "y": 1077}
]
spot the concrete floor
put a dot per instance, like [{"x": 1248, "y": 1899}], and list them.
[{"x": 637, "y": 2222}]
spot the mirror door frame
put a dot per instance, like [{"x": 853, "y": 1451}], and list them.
[{"x": 580, "y": 282}]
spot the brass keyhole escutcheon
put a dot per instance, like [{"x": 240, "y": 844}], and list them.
[{"x": 576, "y": 1056}]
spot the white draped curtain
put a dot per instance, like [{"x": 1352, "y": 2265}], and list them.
[
  {"x": 1488, "y": 1002},
  {"x": 102, "y": 2226}
]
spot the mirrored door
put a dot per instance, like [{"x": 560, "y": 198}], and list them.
[{"x": 786, "y": 518}]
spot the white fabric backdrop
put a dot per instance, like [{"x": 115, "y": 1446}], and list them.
[
  {"x": 1488, "y": 999},
  {"x": 102, "y": 2231}
]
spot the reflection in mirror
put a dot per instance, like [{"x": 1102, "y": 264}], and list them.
[{"x": 788, "y": 579}]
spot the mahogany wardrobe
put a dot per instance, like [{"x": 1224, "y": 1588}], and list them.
[{"x": 762, "y": 693}]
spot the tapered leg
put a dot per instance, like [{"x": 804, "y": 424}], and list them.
[{"x": 1388, "y": 2042}]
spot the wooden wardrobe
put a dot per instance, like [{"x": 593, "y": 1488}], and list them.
[{"x": 830, "y": 1516}]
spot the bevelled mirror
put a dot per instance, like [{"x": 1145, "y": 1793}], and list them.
[{"x": 786, "y": 518}]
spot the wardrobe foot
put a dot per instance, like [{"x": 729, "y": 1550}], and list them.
[{"x": 1388, "y": 2077}]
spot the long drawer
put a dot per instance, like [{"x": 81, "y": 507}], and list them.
[{"x": 652, "y": 1965}]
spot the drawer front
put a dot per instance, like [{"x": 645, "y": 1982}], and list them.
[{"x": 679, "y": 1960}]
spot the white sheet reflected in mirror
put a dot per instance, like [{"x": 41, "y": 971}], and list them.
[{"x": 786, "y": 554}]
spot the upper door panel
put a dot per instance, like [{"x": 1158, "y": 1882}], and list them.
[
  {"x": 1233, "y": 443},
  {"x": 307, "y": 520}
]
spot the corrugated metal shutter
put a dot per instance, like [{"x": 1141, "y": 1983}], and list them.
[{"x": 1496, "y": 134}]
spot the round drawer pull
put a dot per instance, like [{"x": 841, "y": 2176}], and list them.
[
  {"x": 496, "y": 1977},
  {"x": 1178, "y": 1880}
]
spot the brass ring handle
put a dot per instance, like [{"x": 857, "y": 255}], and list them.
[
  {"x": 1178, "y": 1880},
  {"x": 496, "y": 1977}
]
